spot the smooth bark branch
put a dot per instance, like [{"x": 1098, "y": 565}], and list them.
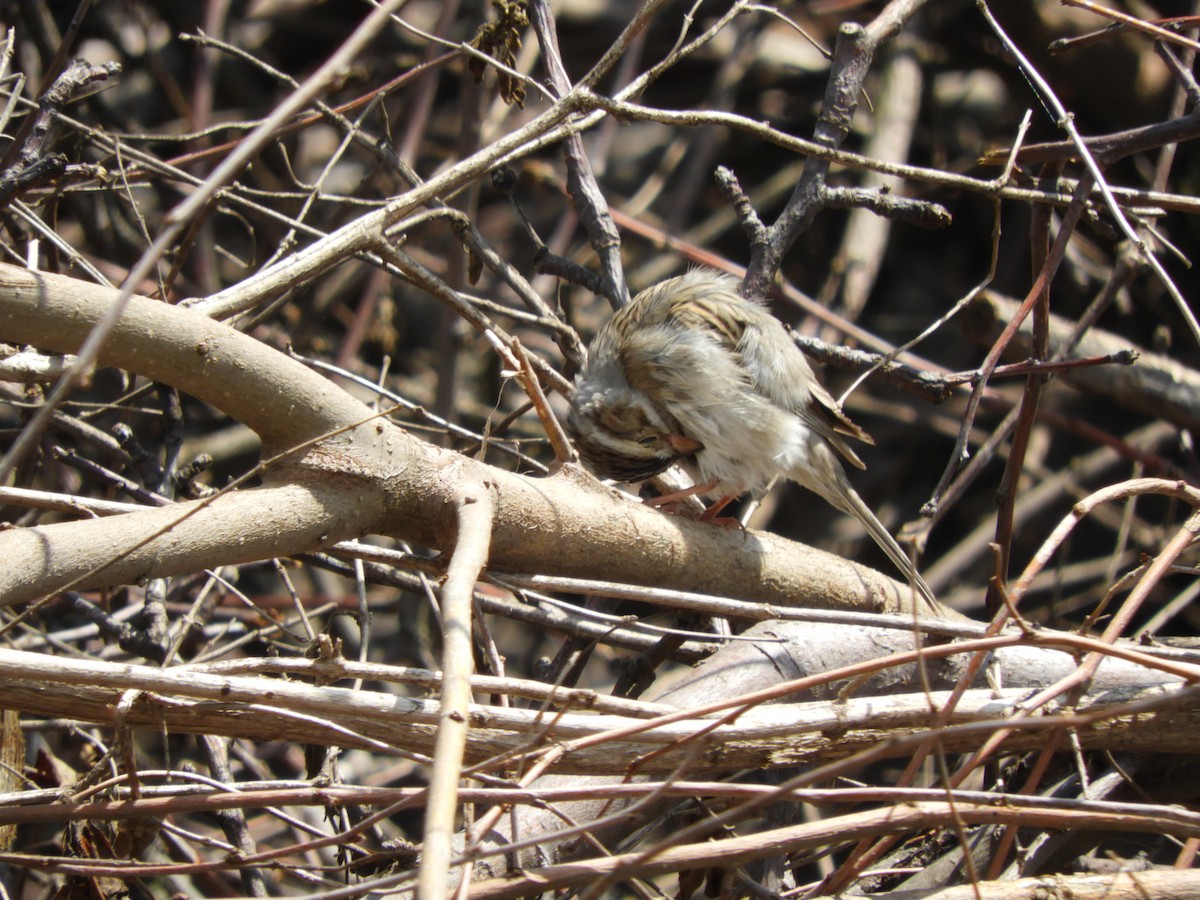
[
  {"x": 286, "y": 403},
  {"x": 372, "y": 476},
  {"x": 1155, "y": 718}
]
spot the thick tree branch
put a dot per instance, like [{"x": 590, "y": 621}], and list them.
[{"x": 371, "y": 476}]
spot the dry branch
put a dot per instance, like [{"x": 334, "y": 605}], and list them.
[
  {"x": 1155, "y": 385},
  {"x": 1162, "y": 717},
  {"x": 367, "y": 476},
  {"x": 300, "y": 217}
]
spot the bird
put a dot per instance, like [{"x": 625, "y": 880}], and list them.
[{"x": 692, "y": 372}]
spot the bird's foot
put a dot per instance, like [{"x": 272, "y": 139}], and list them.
[{"x": 712, "y": 517}]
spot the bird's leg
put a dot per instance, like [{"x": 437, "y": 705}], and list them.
[
  {"x": 676, "y": 496},
  {"x": 710, "y": 515}
]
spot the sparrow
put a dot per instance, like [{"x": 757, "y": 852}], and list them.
[{"x": 692, "y": 372}]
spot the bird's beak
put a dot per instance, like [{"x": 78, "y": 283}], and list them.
[{"x": 684, "y": 445}]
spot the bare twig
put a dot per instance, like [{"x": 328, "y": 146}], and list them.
[
  {"x": 470, "y": 556},
  {"x": 581, "y": 182},
  {"x": 1067, "y": 123}
]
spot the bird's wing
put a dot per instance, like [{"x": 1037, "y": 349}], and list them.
[
  {"x": 830, "y": 408},
  {"x": 777, "y": 368},
  {"x": 786, "y": 378}
]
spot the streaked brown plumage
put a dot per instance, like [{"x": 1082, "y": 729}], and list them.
[{"x": 691, "y": 371}]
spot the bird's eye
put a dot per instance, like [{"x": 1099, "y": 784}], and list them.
[{"x": 648, "y": 441}]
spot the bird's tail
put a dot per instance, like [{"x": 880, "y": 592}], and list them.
[{"x": 838, "y": 492}]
